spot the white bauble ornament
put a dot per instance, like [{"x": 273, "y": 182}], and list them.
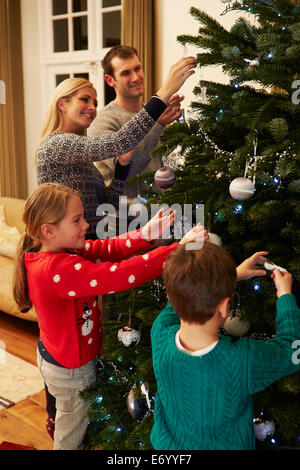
[
  {"x": 235, "y": 325},
  {"x": 263, "y": 429},
  {"x": 164, "y": 178},
  {"x": 129, "y": 335},
  {"x": 215, "y": 239},
  {"x": 241, "y": 189},
  {"x": 271, "y": 267}
]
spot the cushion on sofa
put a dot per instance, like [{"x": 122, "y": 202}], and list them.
[{"x": 9, "y": 240}]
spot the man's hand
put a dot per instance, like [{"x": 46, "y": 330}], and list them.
[
  {"x": 172, "y": 112},
  {"x": 249, "y": 268}
]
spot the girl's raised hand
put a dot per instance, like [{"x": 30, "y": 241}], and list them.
[{"x": 159, "y": 225}]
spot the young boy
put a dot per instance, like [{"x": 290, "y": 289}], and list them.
[{"x": 205, "y": 381}]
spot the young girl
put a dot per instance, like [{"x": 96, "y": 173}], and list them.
[
  {"x": 65, "y": 154},
  {"x": 61, "y": 274}
]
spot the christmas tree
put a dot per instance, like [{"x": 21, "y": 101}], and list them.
[{"x": 238, "y": 154}]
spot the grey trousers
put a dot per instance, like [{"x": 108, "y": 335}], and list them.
[{"x": 64, "y": 384}]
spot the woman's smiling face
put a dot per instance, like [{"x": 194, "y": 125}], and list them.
[{"x": 79, "y": 111}]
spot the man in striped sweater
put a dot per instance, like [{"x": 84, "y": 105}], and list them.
[{"x": 205, "y": 381}]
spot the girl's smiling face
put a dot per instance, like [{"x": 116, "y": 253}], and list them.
[
  {"x": 79, "y": 111},
  {"x": 69, "y": 233}
]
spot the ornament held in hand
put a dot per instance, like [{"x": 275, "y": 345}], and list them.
[
  {"x": 164, "y": 178},
  {"x": 129, "y": 335},
  {"x": 241, "y": 189}
]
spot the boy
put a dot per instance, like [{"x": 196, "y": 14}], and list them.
[{"x": 205, "y": 381}]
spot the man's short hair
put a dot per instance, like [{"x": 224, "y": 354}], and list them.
[
  {"x": 123, "y": 52},
  {"x": 197, "y": 280}
]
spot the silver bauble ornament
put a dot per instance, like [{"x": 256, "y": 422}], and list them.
[
  {"x": 129, "y": 335},
  {"x": 164, "y": 178},
  {"x": 135, "y": 406},
  {"x": 241, "y": 189},
  {"x": 235, "y": 325},
  {"x": 263, "y": 428}
]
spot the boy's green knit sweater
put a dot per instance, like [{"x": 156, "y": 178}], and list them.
[{"x": 205, "y": 402}]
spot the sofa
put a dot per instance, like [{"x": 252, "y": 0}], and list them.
[{"x": 11, "y": 229}]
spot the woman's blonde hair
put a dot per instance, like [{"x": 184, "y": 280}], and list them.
[
  {"x": 47, "y": 204},
  {"x": 53, "y": 121}
]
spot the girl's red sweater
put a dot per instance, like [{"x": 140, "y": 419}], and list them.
[{"x": 64, "y": 287}]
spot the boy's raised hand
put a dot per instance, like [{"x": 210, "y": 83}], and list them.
[
  {"x": 283, "y": 282},
  {"x": 249, "y": 267},
  {"x": 159, "y": 224}
]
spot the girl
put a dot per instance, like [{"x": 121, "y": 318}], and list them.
[
  {"x": 65, "y": 154},
  {"x": 61, "y": 274}
]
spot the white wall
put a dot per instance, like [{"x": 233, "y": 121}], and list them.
[{"x": 172, "y": 19}]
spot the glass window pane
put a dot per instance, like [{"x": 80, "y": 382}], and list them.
[
  {"x": 82, "y": 75},
  {"x": 60, "y": 35},
  {"x": 80, "y": 33},
  {"x": 61, "y": 77},
  {"x": 79, "y": 5},
  {"x": 110, "y": 3},
  {"x": 59, "y": 7},
  {"x": 111, "y": 29}
]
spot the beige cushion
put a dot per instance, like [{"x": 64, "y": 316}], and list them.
[
  {"x": 13, "y": 209},
  {"x": 9, "y": 240}
]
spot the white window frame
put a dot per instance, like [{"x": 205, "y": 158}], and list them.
[{"x": 70, "y": 62}]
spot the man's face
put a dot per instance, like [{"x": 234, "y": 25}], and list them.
[{"x": 128, "y": 80}]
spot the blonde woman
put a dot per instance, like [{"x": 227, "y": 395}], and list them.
[{"x": 66, "y": 155}]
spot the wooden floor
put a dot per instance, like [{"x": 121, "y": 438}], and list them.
[{"x": 23, "y": 423}]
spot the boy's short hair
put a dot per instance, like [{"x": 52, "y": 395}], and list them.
[
  {"x": 197, "y": 280},
  {"x": 123, "y": 52}
]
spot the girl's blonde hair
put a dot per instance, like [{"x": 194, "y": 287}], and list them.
[
  {"x": 53, "y": 121},
  {"x": 46, "y": 205}
]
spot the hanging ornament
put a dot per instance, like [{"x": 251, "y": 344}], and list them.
[
  {"x": 252, "y": 63},
  {"x": 235, "y": 324},
  {"x": 135, "y": 406},
  {"x": 129, "y": 335},
  {"x": 203, "y": 97},
  {"x": 215, "y": 239},
  {"x": 164, "y": 178},
  {"x": 174, "y": 159},
  {"x": 263, "y": 428},
  {"x": 241, "y": 189}
]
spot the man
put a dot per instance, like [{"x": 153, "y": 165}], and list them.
[{"x": 124, "y": 72}]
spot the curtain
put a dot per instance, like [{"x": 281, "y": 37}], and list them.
[
  {"x": 137, "y": 30},
  {"x": 13, "y": 172}
]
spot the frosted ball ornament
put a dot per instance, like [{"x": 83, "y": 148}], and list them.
[
  {"x": 263, "y": 428},
  {"x": 241, "y": 189},
  {"x": 164, "y": 178},
  {"x": 129, "y": 335},
  {"x": 235, "y": 324}
]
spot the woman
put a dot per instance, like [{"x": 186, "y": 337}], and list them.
[{"x": 65, "y": 154}]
